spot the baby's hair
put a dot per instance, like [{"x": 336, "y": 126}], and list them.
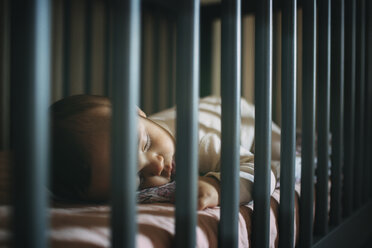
[{"x": 72, "y": 126}]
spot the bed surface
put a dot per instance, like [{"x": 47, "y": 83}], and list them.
[{"x": 88, "y": 225}]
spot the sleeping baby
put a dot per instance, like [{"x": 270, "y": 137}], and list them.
[{"x": 81, "y": 144}]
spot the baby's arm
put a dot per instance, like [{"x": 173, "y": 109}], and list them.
[
  {"x": 246, "y": 179},
  {"x": 208, "y": 192}
]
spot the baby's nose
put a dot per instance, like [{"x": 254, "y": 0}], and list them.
[{"x": 156, "y": 164}]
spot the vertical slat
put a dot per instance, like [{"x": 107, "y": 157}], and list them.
[
  {"x": 359, "y": 104},
  {"x": 230, "y": 125},
  {"x": 4, "y": 76},
  {"x": 277, "y": 65},
  {"x": 337, "y": 107},
  {"x": 30, "y": 82},
  {"x": 170, "y": 58},
  {"x": 187, "y": 94},
  {"x": 88, "y": 46},
  {"x": 126, "y": 67},
  {"x": 205, "y": 56},
  {"x": 349, "y": 115},
  {"x": 263, "y": 82},
  {"x": 308, "y": 122},
  {"x": 155, "y": 25},
  {"x": 147, "y": 52},
  {"x": 107, "y": 69},
  {"x": 369, "y": 95},
  {"x": 66, "y": 47},
  {"x": 323, "y": 113},
  {"x": 288, "y": 127},
  {"x": 367, "y": 117}
]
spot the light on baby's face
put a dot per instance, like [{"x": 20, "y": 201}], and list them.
[{"x": 156, "y": 149}]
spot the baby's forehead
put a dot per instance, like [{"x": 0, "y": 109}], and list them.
[
  {"x": 144, "y": 122},
  {"x": 143, "y": 126}
]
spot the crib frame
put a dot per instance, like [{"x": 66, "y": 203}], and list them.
[{"x": 337, "y": 68}]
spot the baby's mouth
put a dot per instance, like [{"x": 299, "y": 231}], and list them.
[{"x": 168, "y": 170}]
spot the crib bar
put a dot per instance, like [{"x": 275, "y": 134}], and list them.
[
  {"x": 263, "y": 94},
  {"x": 366, "y": 166},
  {"x": 288, "y": 132},
  {"x": 107, "y": 69},
  {"x": 206, "y": 53},
  {"x": 277, "y": 69},
  {"x": 349, "y": 114},
  {"x": 4, "y": 75},
  {"x": 126, "y": 67},
  {"x": 88, "y": 46},
  {"x": 337, "y": 107},
  {"x": 359, "y": 104},
  {"x": 66, "y": 47},
  {"x": 369, "y": 95},
  {"x": 366, "y": 149},
  {"x": 155, "y": 26},
  {"x": 187, "y": 94},
  {"x": 308, "y": 122},
  {"x": 30, "y": 79},
  {"x": 171, "y": 59},
  {"x": 323, "y": 112},
  {"x": 230, "y": 94}
]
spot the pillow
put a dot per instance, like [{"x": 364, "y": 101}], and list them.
[{"x": 163, "y": 193}]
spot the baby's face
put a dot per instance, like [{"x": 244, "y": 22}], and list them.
[{"x": 156, "y": 149}]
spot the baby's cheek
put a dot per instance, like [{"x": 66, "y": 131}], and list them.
[{"x": 141, "y": 160}]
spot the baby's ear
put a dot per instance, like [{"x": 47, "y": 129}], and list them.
[{"x": 141, "y": 113}]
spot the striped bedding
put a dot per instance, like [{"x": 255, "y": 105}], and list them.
[
  {"x": 88, "y": 225},
  {"x": 76, "y": 225}
]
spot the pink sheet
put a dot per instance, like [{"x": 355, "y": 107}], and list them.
[{"x": 88, "y": 226}]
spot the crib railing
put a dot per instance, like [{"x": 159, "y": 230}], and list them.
[
  {"x": 30, "y": 27},
  {"x": 126, "y": 78},
  {"x": 337, "y": 60},
  {"x": 288, "y": 127},
  {"x": 187, "y": 93},
  {"x": 308, "y": 122},
  {"x": 230, "y": 123}
]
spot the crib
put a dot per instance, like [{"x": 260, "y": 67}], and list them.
[{"x": 334, "y": 99}]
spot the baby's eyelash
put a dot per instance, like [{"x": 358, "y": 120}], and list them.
[{"x": 148, "y": 143}]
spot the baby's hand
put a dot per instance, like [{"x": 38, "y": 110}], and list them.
[{"x": 208, "y": 192}]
